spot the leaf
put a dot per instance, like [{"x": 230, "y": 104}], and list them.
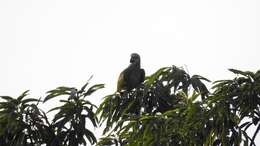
[
  {"x": 91, "y": 115},
  {"x": 255, "y": 134},
  {"x": 67, "y": 110},
  {"x": 7, "y": 98},
  {"x": 151, "y": 79},
  {"x": 170, "y": 112},
  {"x": 66, "y": 101},
  {"x": 90, "y": 136},
  {"x": 247, "y": 126},
  {"x": 57, "y": 92},
  {"x": 20, "y": 140},
  {"x": 143, "y": 118},
  {"x": 23, "y": 95},
  {"x": 53, "y": 109},
  {"x": 61, "y": 123},
  {"x": 86, "y": 84},
  {"x": 29, "y": 100},
  {"x": 244, "y": 124},
  {"x": 104, "y": 103},
  {"x": 193, "y": 96},
  {"x": 7, "y": 106},
  {"x": 201, "y": 78},
  {"x": 93, "y": 89},
  {"x": 246, "y": 73},
  {"x": 50, "y": 96},
  {"x": 63, "y": 88},
  {"x": 85, "y": 102},
  {"x": 105, "y": 141}
]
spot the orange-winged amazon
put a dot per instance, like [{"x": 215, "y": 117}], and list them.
[{"x": 132, "y": 76}]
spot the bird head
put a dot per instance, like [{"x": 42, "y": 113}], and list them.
[{"x": 135, "y": 58}]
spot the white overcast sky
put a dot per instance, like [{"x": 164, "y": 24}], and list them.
[{"x": 49, "y": 43}]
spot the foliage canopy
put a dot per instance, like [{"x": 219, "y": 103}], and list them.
[{"x": 170, "y": 108}]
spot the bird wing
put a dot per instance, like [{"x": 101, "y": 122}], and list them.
[
  {"x": 142, "y": 75},
  {"x": 120, "y": 82}
]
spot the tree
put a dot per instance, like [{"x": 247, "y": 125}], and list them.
[
  {"x": 170, "y": 108},
  {"x": 22, "y": 123},
  {"x": 142, "y": 116},
  {"x": 241, "y": 98},
  {"x": 167, "y": 111}
]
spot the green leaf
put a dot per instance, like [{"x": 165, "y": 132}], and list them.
[
  {"x": 201, "y": 78},
  {"x": 23, "y": 95},
  {"x": 143, "y": 118},
  {"x": 8, "y": 98},
  {"x": 93, "y": 89},
  {"x": 66, "y": 101},
  {"x": 255, "y": 134},
  {"x": 170, "y": 112},
  {"x": 193, "y": 97},
  {"x": 105, "y": 141},
  {"x": 151, "y": 79},
  {"x": 244, "y": 124},
  {"x": 58, "y": 92},
  {"x": 29, "y": 100},
  {"x": 246, "y": 73},
  {"x": 85, "y": 102},
  {"x": 91, "y": 115},
  {"x": 19, "y": 140},
  {"x": 53, "y": 109},
  {"x": 90, "y": 136},
  {"x": 104, "y": 103},
  {"x": 83, "y": 88}
]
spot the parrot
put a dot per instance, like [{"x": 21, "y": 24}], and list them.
[{"x": 132, "y": 76}]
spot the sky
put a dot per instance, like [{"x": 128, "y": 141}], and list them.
[{"x": 51, "y": 43}]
